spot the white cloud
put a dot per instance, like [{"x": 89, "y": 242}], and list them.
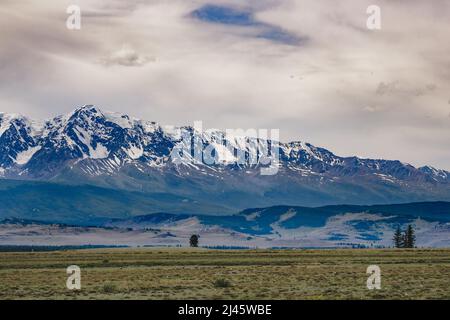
[{"x": 126, "y": 56}]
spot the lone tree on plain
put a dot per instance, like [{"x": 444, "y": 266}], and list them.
[
  {"x": 398, "y": 238},
  {"x": 193, "y": 241}
]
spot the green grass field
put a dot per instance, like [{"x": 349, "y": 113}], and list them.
[{"x": 235, "y": 274}]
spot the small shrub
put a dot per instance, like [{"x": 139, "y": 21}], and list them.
[
  {"x": 222, "y": 283},
  {"x": 109, "y": 287}
]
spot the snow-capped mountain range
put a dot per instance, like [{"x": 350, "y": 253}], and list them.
[
  {"x": 119, "y": 152},
  {"x": 36, "y": 149}
]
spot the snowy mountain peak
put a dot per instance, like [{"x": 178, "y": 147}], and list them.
[
  {"x": 11, "y": 119},
  {"x": 87, "y": 113},
  {"x": 87, "y": 109},
  {"x": 17, "y": 138},
  {"x": 436, "y": 173}
]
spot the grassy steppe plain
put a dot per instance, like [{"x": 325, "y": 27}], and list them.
[{"x": 161, "y": 273}]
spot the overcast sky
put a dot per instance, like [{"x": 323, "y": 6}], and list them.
[{"x": 310, "y": 68}]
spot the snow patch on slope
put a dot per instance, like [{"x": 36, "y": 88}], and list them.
[
  {"x": 100, "y": 152},
  {"x": 253, "y": 216},
  {"x": 286, "y": 216},
  {"x": 3, "y": 127},
  {"x": 25, "y": 156},
  {"x": 97, "y": 152},
  {"x": 223, "y": 155},
  {"x": 122, "y": 121},
  {"x": 134, "y": 152}
]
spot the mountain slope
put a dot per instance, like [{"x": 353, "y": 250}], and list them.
[{"x": 84, "y": 204}]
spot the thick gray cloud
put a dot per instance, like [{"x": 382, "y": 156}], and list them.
[{"x": 381, "y": 94}]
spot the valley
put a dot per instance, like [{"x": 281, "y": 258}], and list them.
[{"x": 272, "y": 227}]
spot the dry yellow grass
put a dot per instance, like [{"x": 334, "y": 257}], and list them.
[{"x": 248, "y": 274}]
